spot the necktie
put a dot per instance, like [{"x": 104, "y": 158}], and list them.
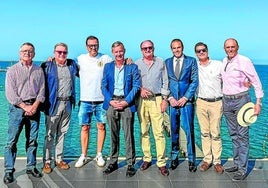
[{"x": 177, "y": 68}]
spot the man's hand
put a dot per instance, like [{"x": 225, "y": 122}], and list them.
[
  {"x": 164, "y": 105},
  {"x": 247, "y": 84},
  {"x": 129, "y": 61},
  {"x": 145, "y": 93},
  {"x": 181, "y": 102}
]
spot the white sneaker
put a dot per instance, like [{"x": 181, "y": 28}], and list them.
[
  {"x": 81, "y": 161},
  {"x": 100, "y": 161}
]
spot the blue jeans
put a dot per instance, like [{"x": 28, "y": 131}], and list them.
[
  {"x": 239, "y": 134},
  {"x": 15, "y": 126}
]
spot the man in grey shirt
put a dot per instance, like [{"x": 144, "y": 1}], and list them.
[
  {"x": 152, "y": 104},
  {"x": 25, "y": 90}
]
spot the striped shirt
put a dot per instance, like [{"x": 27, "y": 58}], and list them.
[{"x": 24, "y": 83}]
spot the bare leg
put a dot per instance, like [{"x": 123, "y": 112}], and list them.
[
  {"x": 85, "y": 131},
  {"x": 101, "y": 136}
]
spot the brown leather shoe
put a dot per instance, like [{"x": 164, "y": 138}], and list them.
[
  {"x": 163, "y": 170},
  {"x": 145, "y": 165},
  {"x": 62, "y": 165},
  {"x": 218, "y": 168},
  {"x": 46, "y": 168},
  {"x": 204, "y": 167}
]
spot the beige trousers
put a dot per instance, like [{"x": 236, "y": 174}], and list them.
[{"x": 209, "y": 117}]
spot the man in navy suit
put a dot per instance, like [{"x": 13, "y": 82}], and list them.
[
  {"x": 120, "y": 84},
  {"x": 183, "y": 81}
]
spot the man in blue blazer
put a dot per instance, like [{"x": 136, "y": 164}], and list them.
[
  {"x": 120, "y": 84},
  {"x": 183, "y": 81}
]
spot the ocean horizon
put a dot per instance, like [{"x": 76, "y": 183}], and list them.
[{"x": 258, "y": 130}]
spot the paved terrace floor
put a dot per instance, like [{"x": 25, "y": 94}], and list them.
[{"x": 91, "y": 176}]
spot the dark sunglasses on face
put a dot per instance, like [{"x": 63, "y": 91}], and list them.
[
  {"x": 62, "y": 52},
  {"x": 147, "y": 48},
  {"x": 201, "y": 50}
]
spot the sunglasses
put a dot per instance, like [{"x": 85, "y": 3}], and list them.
[
  {"x": 62, "y": 52},
  {"x": 201, "y": 50},
  {"x": 147, "y": 48}
]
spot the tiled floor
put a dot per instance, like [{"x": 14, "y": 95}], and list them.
[{"x": 91, "y": 176}]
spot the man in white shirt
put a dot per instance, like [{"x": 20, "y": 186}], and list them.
[
  {"x": 91, "y": 99},
  {"x": 209, "y": 108}
]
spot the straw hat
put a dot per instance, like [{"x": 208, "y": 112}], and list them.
[{"x": 245, "y": 116}]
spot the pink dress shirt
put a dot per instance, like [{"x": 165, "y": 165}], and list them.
[{"x": 236, "y": 72}]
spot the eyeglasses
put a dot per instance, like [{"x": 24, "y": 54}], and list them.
[
  {"x": 147, "y": 48},
  {"x": 27, "y": 51},
  {"x": 201, "y": 50},
  {"x": 93, "y": 46},
  {"x": 62, "y": 52}
]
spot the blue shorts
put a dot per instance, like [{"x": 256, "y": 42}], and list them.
[{"x": 88, "y": 109}]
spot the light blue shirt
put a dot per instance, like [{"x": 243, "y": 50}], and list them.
[{"x": 119, "y": 81}]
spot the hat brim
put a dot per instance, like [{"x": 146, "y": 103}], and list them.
[{"x": 249, "y": 109}]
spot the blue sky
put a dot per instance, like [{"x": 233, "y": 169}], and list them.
[{"x": 45, "y": 23}]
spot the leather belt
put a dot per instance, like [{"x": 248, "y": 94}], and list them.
[
  {"x": 116, "y": 97},
  {"x": 153, "y": 96},
  {"x": 236, "y": 96},
  {"x": 94, "y": 102},
  {"x": 211, "y": 99},
  {"x": 63, "y": 98},
  {"x": 29, "y": 101}
]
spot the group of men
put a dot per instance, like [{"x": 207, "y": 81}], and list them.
[{"x": 112, "y": 90}]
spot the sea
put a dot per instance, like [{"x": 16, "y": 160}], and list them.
[{"x": 258, "y": 130}]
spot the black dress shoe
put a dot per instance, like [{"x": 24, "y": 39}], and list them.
[
  {"x": 8, "y": 178},
  {"x": 110, "y": 169},
  {"x": 145, "y": 165},
  {"x": 192, "y": 167},
  {"x": 131, "y": 171},
  {"x": 34, "y": 172},
  {"x": 174, "y": 163},
  {"x": 231, "y": 169},
  {"x": 239, "y": 176},
  {"x": 164, "y": 171}
]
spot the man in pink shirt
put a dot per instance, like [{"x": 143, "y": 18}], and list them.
[{"x": 236, "y": 71}]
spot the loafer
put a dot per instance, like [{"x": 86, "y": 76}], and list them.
[
  {"x": 231, "y": 169},
  {"x": 218, "y": 168},
  {"x": 62, "y": 165},
  {"x": 192, "y": 167},
  {"x": 164, "y": 171},
  {"x": 145, "y": 165},
  {"x": 174, "y": 163},
  {"x": 204, "y": 167},
  {"x": 34, "y": 172},
  {"x": 8, "y": 178},
  {"x": 47, "y": 168},
  {"x": 239, "y": 176},
  {"x": 110, "y": 169},
  {"x": 131, "y": 171}
]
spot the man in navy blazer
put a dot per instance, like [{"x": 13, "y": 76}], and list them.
[
  {"x": 120, "y": 84},
  {"x": 183, "y": 82}
]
